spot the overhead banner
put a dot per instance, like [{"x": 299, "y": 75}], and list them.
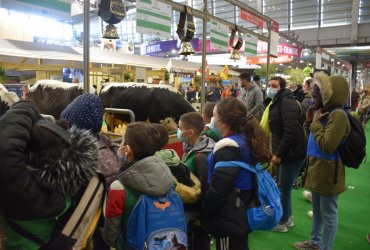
[
  {"x": 250, "y": 45},
  {"x": 77, "y": 6},
  {"x": 263, "y": 60},
  {"x": 219, "y": 36},
  {"x": 249, "y": 17},
  {"x": 153, "y": 18}
]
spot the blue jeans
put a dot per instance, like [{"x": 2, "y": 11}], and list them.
[
  {"x": 288, "y": 173},
  {"x": 325, "y": 220}
]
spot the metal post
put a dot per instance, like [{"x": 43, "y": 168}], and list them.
[
  {"x": 268, "y": 51},
  {"x": 204, "y": 53},
  {"x": 86, "y": 50}
]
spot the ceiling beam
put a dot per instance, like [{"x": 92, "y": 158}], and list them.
[
  {"x": 200, "y": 14},
  {"x": 44, "y": 67}
]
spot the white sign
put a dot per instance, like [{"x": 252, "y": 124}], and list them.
[
  {"x": 325, "y": 56},
  {"x": 219, "y": 36},
  {"x": 153, "y": 18},
  {"x": 77, "y": 6},
  {"x": 318, "y": 60},
  {"x": 274, "y": 43},
  {"x": 250, "y": 46}
]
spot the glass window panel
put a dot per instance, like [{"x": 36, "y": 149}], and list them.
[
  {"x": 364, "y": 12},
  {"x": 304, "y": 14},
  {"x": 337, "y": 12}
]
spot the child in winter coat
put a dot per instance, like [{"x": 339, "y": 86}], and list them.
[
  {"x": 232, "y": 190},
  {"x": 196, "y": 150},
  {"x": 143, "y": 173},
  {"x": 86, "y": 112}
]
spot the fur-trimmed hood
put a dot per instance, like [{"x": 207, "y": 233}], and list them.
[
  {"x": 76, "y": 166},
  {"x": 334, "y": 89}
]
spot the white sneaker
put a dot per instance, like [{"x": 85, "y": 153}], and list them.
[
  {"x": 282, "y": 228},
  {"x": 307, "y": 195},
  {"x": 310, "y": 214},
  {"x": 290, "y": 222}
]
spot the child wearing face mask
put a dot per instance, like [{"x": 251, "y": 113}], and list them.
[
  {"x": 141, "y": 173},
  {"x": 209, "y": 129},
  {"x": 197, "y": 147}
]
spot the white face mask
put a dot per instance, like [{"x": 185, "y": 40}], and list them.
[{"x": 271, "y": 92}]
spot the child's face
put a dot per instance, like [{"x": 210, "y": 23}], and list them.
[{"x": 126, "y": 151}]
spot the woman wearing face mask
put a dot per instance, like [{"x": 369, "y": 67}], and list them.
[{"x": 288, "y": 143}]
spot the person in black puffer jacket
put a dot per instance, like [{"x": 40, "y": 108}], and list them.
[
  {"x": 233, "y": 190},
  {"x": 289, "y": 143},
  {"x": 37, "y": 164}
]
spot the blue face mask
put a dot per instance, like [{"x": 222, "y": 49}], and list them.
[
  {"x": 212, "y": 125},
  {"x": 179, "y": 135},
  {"x": 271, "y": 92}
]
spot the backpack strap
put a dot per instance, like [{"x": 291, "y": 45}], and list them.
[
  {"x": 24, "y": 232},
  {"x": 240, "y": 164}
]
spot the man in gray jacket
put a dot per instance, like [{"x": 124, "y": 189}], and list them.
[{"x": 251, "y": 95}]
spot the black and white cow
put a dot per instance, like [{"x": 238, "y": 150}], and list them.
[
  {"x": 7, "y": 99},
  {"x": 149, "y": 102},
  {"x": 52, "y": 97}
]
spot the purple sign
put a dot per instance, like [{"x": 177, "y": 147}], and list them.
[{"x": 166, "y": 46}]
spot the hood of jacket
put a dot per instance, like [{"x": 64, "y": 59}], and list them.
[
  {"x": 204, "y": 145},
  {"x": 334, "y": 89},
  {"x": 149, "y": 176},
  {"x": 169, "y": 156},
  {"x": 74, "y": 168}
]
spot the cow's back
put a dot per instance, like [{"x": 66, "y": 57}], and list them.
[
  {"x": 53, "y": 100},
  {"x": 147, "y": 101}
]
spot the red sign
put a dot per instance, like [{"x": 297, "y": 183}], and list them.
[
  {"x": 249, "y": 17},
  {"x": 288, "y": 49},
  {"x": 275, "y": 26},
  {"x": 263, "y": 60},
  {"x": 283, "y": 49}
]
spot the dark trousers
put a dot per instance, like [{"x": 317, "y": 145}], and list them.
[
  {"x": 232, "y": 243},
  {"x": 198, "y": 238}
]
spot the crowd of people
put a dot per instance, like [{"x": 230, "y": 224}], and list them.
[{"x": 47, "y": 162}]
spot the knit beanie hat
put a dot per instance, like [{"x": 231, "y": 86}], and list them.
[{"x": 85, "y": 112}]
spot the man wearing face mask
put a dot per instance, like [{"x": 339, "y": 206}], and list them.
[
  {"x": 251, "y": 95},
  {"x": 288, "y": 142},
  {"x": 196, "y": 150}
]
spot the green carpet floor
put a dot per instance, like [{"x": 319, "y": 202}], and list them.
[{"x": 354, "y": 215}]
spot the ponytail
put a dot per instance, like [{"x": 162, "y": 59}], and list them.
[{"x": 256, "y": 138}]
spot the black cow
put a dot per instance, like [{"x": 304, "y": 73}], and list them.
[
  {"x": 153, "y": 102},
  {"x": 7, "y": 99},
  {"x": 52, "y": 97}
]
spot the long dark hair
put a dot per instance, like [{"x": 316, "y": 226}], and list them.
[{"x": 233, "y": 113}]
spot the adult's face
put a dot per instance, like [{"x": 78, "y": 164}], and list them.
[
  {"x": 317, "y": 99},
  {"x": 245, "y": 83}
]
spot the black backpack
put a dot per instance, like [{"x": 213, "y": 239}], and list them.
[{"x": 353, "y": 150}]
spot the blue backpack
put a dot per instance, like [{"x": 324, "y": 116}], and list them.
[
  {"x": 269, "y": 213},
  {"x": 157, "y": 222}
]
